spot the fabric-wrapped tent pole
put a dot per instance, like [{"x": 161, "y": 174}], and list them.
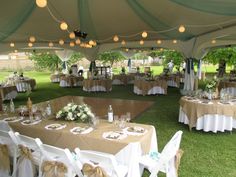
[
  {"x": 128, "y": 55},
  {"x": 189, "y": 75},
  {"x": 64, "y": 56}
]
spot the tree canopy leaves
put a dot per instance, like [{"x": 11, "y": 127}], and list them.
[{"x": 110, "y": 57}]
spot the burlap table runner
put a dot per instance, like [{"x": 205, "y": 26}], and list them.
[
  {"x": 92, "y": 141},
  {"x": 72, "y": 80},
  {"x": 145, "y": 86},
  {"x": 5, "y": 90},
  {"x": 195, "y": 110},
  {"x": 226, "y": 84},
  {"x": 89, "y": 83}
]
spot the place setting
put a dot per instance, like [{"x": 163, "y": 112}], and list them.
[
  {"x": 81, "y": 130},
  {"x": 55, "y": 126}
]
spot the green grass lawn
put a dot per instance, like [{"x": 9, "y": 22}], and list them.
[{"x": 205, "y": 154}]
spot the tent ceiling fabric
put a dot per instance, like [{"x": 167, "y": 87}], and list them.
[{"x": 126, "y": 18}]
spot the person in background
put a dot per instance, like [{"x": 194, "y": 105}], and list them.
[
  {"x": 170, "y": 66},
  {"x": 81, "y": 71}
]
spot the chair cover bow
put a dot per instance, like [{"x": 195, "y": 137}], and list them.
[
  {"x": 54, "y": 169},
  {"x": 25, "y": 152},
  {"x": 92, "y": 171},
  {"x": 4, "y": 157},
  {"x": 177, "y": 159}
]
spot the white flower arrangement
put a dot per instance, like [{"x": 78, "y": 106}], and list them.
[
  {"x": 73, "y": 112},
  {"x": 211, "y": 84}
]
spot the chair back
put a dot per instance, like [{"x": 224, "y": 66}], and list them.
[
  {"x": 4, "y": 126},
  {"x": 103, "y": 160},
  {"x": 27, "y": 141},
  {"x": 168, "y": 154}
]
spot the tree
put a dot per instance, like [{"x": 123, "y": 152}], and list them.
[
  {"x": 226, "y": 54},
  {"x": 51, "y": 61},
  {"x": 110, "y": 57},
  {"x": 168, "y": 55}
]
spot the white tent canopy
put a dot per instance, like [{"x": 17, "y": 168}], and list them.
[{"x": 207, "y": 24}]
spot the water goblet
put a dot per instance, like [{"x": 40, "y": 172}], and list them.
[
  {"x": 122, "y": 122},
  {"x": 128, "y": 117},
  {"x": 5, "y": 109},
  {"x": 116, "y": 120}
]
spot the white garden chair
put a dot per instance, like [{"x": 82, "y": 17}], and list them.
[
  {"x": 26, "y": 164},
  {"x": 105, "y": 161},
  {"x": 164, "y": 161},
  {"x": 6, "y": 139},
  {"x": 59, "y": 159}
]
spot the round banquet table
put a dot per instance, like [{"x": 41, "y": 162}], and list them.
[
  {"x": 8, "y": 92},
  {"x": 228, "y": 86},
  {"x": 24, "y": 85},
  {"x": 143, "y": 87},
  {"x": 97, "y": 85},
  {"x": 122, "y": 79},
  {"x": 71, "y": 81},
  {"x": 173, "y": 80},
  {"x": 208, "y": 115},
  {"x": 56, "y": 78}
]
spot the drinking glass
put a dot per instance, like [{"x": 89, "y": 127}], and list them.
[
  {"x": 122, "y": 122},
  {"x": 5, "y": 109},
  {"x": 128, "y": 117},
  {"x": 116, "y": 120}
]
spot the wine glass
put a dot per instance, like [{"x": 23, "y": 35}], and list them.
[
  {"x": 5, "y": 109},
  {"x": 122, "y": 121},
  {"x": 128, "y": 117},
  {"x": 116, "y": 120}
]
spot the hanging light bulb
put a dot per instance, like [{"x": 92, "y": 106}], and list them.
[
  {"x": 174, "y": 41},
  {"x": 213, "y": 41},
  {"x": 72, "y": 44},
  {"x": 50, "y": 44},
  {"x": 30, "y": 44},
  {"x": 161, "y": 49},
  {"x": 12, "y": 44},
  {"x": 61, "y": 42},
  {"x": 181, "y": 28},
  {"x": 77, "y": 41},
  {"x": 15, "y": 51},
  {"x": 123, "y": 42},
  {"x": 91, "y": 42},
  {"x": 141, "y": 42},
  {"x": 32, "y": 39},
  {"x": 72, "y": 35},
  {"x": 127, "y": 50},
  {"x": 94, "y": 43},
  {"x": 144, "y": 34},
  {"x": 63, "y": 26},
  {"x": 158, "y": 41},
  {"x": 41, "y": 3},
  {"x": 115, "y": 38}
]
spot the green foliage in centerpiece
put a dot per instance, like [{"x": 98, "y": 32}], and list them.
[
  {"x": 211, "y": 84},
  {"x": 73, "y": 112}
]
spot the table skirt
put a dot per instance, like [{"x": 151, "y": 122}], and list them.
[
  {"x": 230, "y": 90},
  {"x": 117, "y": 82},
  {"x": 55, "y": 80},
  {"x": 23, "y": 87},
  {"x": 172, "y": 83},
  {"x": 96, "y": 88},
  {"x": 64, "y": 83},
  {"x": 210, "y": 122},
  {"x": 153, "y": 91}
]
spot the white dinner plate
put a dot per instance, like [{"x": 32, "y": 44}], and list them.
[
  {"x": 81, "y": 130},
  {"x": 114, "y": 135},
  {"x": 137, "y": 131},
  {"x": 29, "y": 122},
  {"x": 13, "y": 119},
  {"x": 55, "y": 126}
]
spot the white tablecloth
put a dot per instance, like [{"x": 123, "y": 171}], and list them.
[
  {"x": 210, "y": 122},
  {"x": 230, "y": 90},
  {"x": 153, "y": 91},
  {"x": 64, "y": 83},
  {"x": 172, "y": 83},
  {"x": 23, "y": 86}
]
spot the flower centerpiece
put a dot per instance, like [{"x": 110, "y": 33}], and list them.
[
  {"x": 211, "y": 88},
  {"x": 73, "y": 112}
]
